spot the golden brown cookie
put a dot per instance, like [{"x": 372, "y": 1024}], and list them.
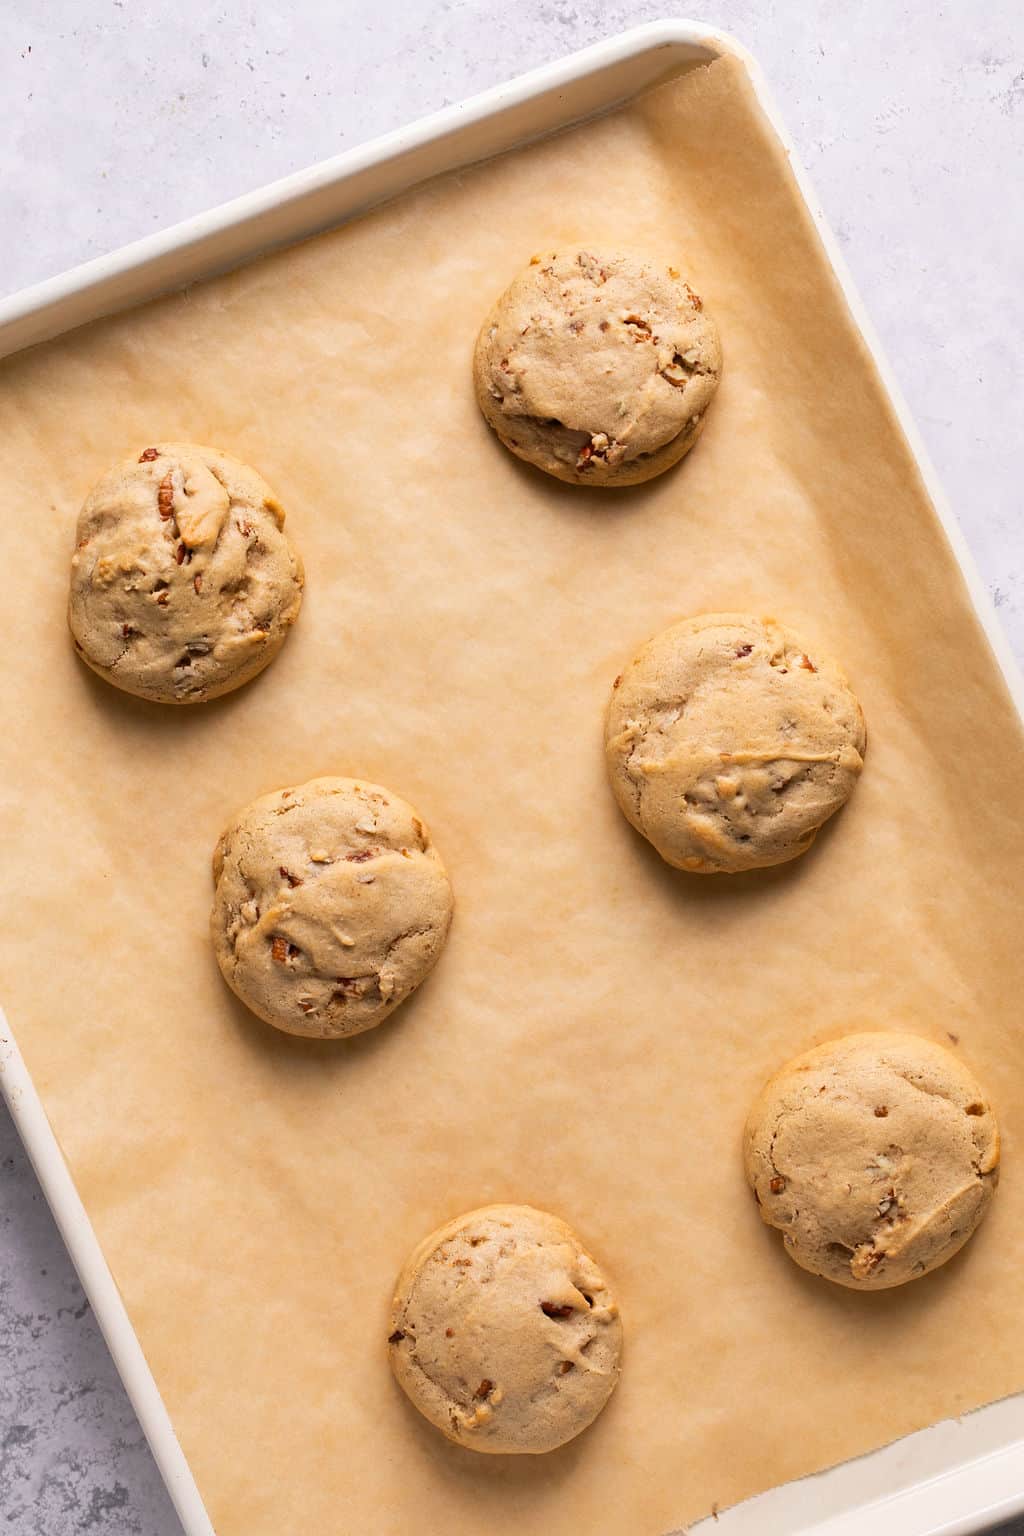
[
  {"x": 729, "y": 742},
  {"x": 504, "y": 1332},
  {"x": 597, "y": 367},
  {"x": 183, "y": 584},
  {"x": 331, "y": 906},
  {"x": 875, "y": 1156}
]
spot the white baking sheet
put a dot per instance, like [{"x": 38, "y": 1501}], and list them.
[{"x": 535, "y": 104}]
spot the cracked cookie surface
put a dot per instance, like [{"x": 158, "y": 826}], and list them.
[
  {"x": 183, "y": 583},
  {"x": 597, "y": 368},
  {"x": 729, "y": 743},
  {"x": 503, "y": 1331},
  {"x": 876, "y": 1156},
  {"x": 331, "y": 906}
]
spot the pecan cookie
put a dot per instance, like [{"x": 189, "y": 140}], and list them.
[
  {"x": 331, "y": 906},
  {"x": 598, "y": 368},
  {"x": 183, "y": 585},
  {"x": 875, "y": 1155},
  {"x": 503, "y": 1331},
  {"x": 729, "y": 742}
]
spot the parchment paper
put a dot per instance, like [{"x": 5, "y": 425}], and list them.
[{"x": 591, "y": 1038}]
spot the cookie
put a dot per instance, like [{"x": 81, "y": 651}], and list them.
[
  {"x": 875, "y": 1155},
  {"x": 503, "y": 1331},
  {"x": 183, "y": 584},
  {"x": 598, "y": 368},
  {"x": 331, "y": 906},
  {"x": 729, "y": 742}
]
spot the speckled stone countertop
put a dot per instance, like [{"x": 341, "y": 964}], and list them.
[{"x": 122, "y": 116}]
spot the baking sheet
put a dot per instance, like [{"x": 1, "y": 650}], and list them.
[{"x": 593, "y": 1034}]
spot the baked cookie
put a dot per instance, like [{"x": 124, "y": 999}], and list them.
[
  {"x": 183, "y": 585},
  {"x": 875, "y": 1155},
  {"x": 729, "y": 742},
  {"x": 503, "y": 1331},
  {"x": 597, "y": 368},
  {"x": 331, "y": 906}
]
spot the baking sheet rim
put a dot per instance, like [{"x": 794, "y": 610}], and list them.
[{"x": 454, "y": 125}]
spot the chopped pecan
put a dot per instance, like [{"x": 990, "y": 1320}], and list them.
[
  {"x": 279, "y": 949},
  {"x": 552, "y": 1309},
  {"x": 148, "y": 455},
  {"x": 592, "y": 268},
  {"x": 197, "y": 582},
  {"x": 360, "y": 856},
  {"x": 881, "y": 1110},
  {"x": 396, "y": 1337},
  {"x": 485, "y": 1388},
  {"x": 128, "y": 631},
  {"x": 182, "y": 553},
  {"x": 564, "y": 1367},
  {"x": 293, "y": 880},
  {"x": 165, "y": 497},
  {"x": 865, "y": 1259},
  {"x": 617, "y": 681},
  {"x": 603, "y": 448},
  {"x": 744, "y": 650},
  {"x": 776, "y": 1184},
  {"x": 639, "y": 327}
]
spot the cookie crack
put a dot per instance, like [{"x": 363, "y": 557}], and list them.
[
  {"x": 457, "y": 1411},
  {"x": 931, "y": 1093},
  {"x": 636, "y": 780},
  {"x": 410, "y": 933}
]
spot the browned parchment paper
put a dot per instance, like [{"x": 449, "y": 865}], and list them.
[{"x": 591, "y": 1038}]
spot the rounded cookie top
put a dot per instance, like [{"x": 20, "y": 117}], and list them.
[
  {"x": 504, "y": 1332},
  {"x": 875, "y": 1155},
  {"x": 183, "y": 584},
  {"x": 729, "y": 742},
  {"x": 598, "y": 368},
  {"x": 331, "y": 906}
]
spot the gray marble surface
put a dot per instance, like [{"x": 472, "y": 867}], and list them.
[{"x": 121, "y": 116}]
